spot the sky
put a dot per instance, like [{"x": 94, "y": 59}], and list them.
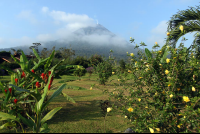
[{"x": 37, "y": 21}]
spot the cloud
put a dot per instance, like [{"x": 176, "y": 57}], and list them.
[
  {"x": 158, "y": 34},
  {"x": 27, "y": 15},
  {"x": 45, "y": 9}
]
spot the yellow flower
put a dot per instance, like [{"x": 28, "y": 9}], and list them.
[
  {"x": 193, "y": 89},
  {"x": 125, "y": 116},
  {"x": 184, "y": 117},
  {"x": 146, "y": 107},
  {"x": 193, "y": 56},
  {"x": 168, "y": 33},
  {"x": 130, "y": 37},
  {"x": 136, "y": 68},
  {"x": 118, "y": 79},
  {"x": 131, "y": 59},
  {"x": 109, "y": 109},
  {"x": 156, "y": 43},
  {"x": 178, "y": 126},
  {"x": 163, "y": 92},
  {"x": 129, "y": 71},
  {"x": 168, "y": 47},
  {"x": 174, "y": 57},
  {"x": 151, "y": 130},
  {"x": 166, "y": 71},
  {"x": 186, "y": 99},
  {"x": 113, "y": 92},
  {"x": 140, "y": 78},
  {"x": 178, "y": 89},
  {"x": 160, "y": 64},
  {"x": 130, "y": 109},
  {"x": 160, "y": 52},
  {"x": 158, "y": 129},
  {"x": 197, "y": 62},
  {"x": 78, "y": 66},
  {"x": 132, "y": 54},
  {"x": 169, "y": 85},
  {"x": 113, "y": 72},
  {"x": 156, "y": 93},
  {"x": 181, "y": 28},
  {"x": 179, "y": 114},
  {"x": 171, "y": 95},
  {"x": 167, "y": 60},
  {"x": 139, "y": 99},
  {"x": 91, "y": 88},
  {"x": 147, "y": 65},
  {"x": 127, "y": 52},
  {"x": 191, "y": 53}
]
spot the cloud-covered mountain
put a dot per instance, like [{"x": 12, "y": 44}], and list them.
[{"x": 87, "y": 41}]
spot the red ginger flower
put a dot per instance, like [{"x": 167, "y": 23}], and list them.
[
  {"x": 51, "y": 80},
  {"x": 10, "y": 89},
  {"x": 5, "y": 90},
  {"x": 42, "y": 75},
  {"x": 49, "y": 73},
  {"x": 16, "y": 80},
  {"x": 15, "y": 101},
  {"x": 32, "y": 71},
  {"x": 49, "y": 86},
  {"x": 23, "y": 75},
  {"x": 37, "y": 84}
]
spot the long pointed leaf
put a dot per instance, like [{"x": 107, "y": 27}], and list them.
[
  {"x": 5, "y": 116},
  {"x": 28, "y": 122},
  {"x": 68, "y": 98},
  {"x": 8, "y": 124},
  {"x": 36, "y": 54},
  {"x": 55, "y": 94},
  {"x": 50, "y": 114},
  {"x": 47, "y": 65}
]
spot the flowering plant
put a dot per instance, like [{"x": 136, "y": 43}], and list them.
[
  {"x": 170, "y": 103},
  {"x": 21, "y": 94}
]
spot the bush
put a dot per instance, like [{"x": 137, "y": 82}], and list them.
[{"x": 80, "y": 60}]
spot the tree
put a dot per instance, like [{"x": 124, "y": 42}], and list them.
[
  {"x": 190, "y": 20},
  {"x": 122, "y": 65},
  {"x": 67, "y": 52},
  {"x": 35, "y": 47}
]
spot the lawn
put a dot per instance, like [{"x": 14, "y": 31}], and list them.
[{"x": 84, "y": 116}]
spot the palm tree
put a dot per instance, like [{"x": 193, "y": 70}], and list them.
[{"x": 190, "y": 20}]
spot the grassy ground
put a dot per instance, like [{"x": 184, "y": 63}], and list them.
[{"x": 84, "y": 116}]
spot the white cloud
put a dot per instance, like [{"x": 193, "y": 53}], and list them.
[
  {"x": 158, "y": 34},
  {"x": 45, "y": 9},
  {"x": 27, "y": 15}
]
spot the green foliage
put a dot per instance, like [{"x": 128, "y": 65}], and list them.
[
  {"x": 80, "y": 60},
  {"x": 104, "y": 70},
  {"x": 4, "y": 53},
  {"x": 80, "y": 71},
  {"x": 122, "y": 65}
]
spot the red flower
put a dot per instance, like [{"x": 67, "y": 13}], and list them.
[
  {"x": 51, "y": 80},
  {"x": 32, "y": 71},
  {"x": 10, "y": 89},
  {"x": 42, "y": 75},
  {"x": 49, "y": 86},
  {"x": 49, "y": 73},
  {"x": 23, "y": 75},
  {"x": 37, "y": 84},
  {"x": 15, "y": 101},
  {"x": 16, "y": 80},
  {"x": 5, "y": 90}
]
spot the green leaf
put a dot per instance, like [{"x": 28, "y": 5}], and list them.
[
  {"x": 48, "y": 63},
  {"x": 55, "y": 94},
  {"x": 5, "y": 116},
  {"x": 44, "y": 128},
  {"x": 28, "y": 122},
  {"x": 68, "y": 98},
  {"x": 36, "y": 54},
  {"x": 19, "y": 89},
  {"x": 148, "y": 53},
  {"x": 8, "y": 124},
  {"x": 49, "y": 115},
  {"x": 16, "y": 60}
]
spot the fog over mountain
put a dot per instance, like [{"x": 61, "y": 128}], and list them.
[{"x": 87, "y": 41}]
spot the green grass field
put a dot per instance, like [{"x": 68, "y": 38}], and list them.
[{"x": 84, "y": 116}]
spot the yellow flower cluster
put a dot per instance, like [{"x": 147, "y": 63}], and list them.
[
  {"x": 109, "y": 109},
  {"x": 130, "y": 109},
  {"x": 113, "y": 72},
  {"x": 132, "y": 54},
  {"x": 186, "y": 99}
]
